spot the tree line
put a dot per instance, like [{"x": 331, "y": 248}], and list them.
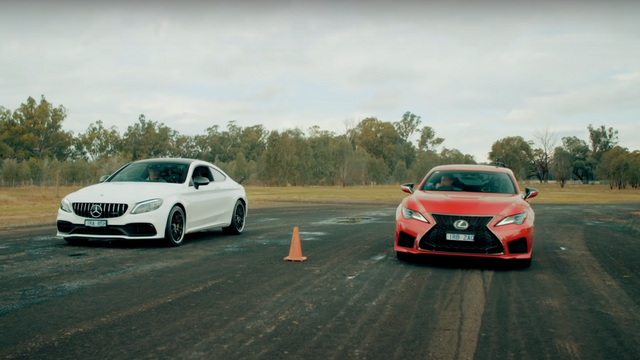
[{"x": 34, "y": 148}]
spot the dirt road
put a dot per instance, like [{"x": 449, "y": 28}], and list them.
[{"x": 233, "y": 297}]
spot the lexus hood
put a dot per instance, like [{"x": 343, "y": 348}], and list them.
[{"x": 465, "y": 203}]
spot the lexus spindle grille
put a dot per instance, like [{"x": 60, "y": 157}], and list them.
[
  {"x": 485, "y": 242},
  {"x": 99, "y": 210}
]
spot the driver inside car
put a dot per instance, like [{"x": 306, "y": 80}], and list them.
[
  {"x": 446, "y": 183},
  {"x": 154, "y": 175}
]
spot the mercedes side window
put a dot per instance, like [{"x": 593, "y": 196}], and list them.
[
  {"x": 202, "y": 171},
  {"x": 217, "y": 175}
]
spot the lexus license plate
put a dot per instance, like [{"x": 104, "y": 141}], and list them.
[
  {"x": 460, "y": 237},
  {"x": 95, "y": 223}
]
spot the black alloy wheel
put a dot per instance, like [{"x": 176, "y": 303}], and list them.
[
  {"x": 237, "y": 220},
  {"x": 174, "y": 233}
]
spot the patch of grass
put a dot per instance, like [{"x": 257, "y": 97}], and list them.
[{"x": 38, "y": 205}]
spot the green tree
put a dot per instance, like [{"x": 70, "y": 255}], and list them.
[
  {"x": 6, "y": 122},
  {"x": 581, "y": 162},
  {"x": 615, "y": 167},
  {"x": 634, "y": 169},
  {"x": 455, "y": 156},
  {"x": 378, "y": 139},
  {"x": 602, "y": 140},
  {"x": 428, "y": 140},
  {"x": 515, "y": 153},
  {"x": 401, "y": 174},
  {"x": 562, "y": 165},
  {"x": 148, "y": 139},
  {"x": 377, "y": 171},
  {"x": 97, "y": 141},
  {"x": 286, "y": 158},
  {"x": 407, "y": 125},
  {"x": 36, "y": 130},
  {"x": 321, "y": 165}
]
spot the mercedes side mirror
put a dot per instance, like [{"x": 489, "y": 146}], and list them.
[
  {"x": 103, "y": 178},
  {"x": 200, "y": 181}
]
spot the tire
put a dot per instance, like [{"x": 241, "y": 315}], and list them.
[
  {"x": 237, "y": 220},
  {"x": 174, "y": 231},
  {"x": 76, "y": 241}
]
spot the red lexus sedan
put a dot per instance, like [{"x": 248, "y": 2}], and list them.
[{"x": 466, "y": 210}]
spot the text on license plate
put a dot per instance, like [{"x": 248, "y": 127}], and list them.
[
  {"x": 95, "y": 223},
  {"x": 460, "y": 237}
]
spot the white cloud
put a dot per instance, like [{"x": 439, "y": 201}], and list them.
[{"x": 474, "y": 73}]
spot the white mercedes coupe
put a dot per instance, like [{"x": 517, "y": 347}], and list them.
[{"x": 154, "y": 199}]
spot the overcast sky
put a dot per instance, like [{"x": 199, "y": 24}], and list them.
[{"x": 474, "y": 71}]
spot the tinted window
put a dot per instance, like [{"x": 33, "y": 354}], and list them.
[
  {"x": 217, "y": 175},
  {"x": 471, "y": 181},
  {"x": 202, "y": 171},
  {"x": 140, "y": 171}
]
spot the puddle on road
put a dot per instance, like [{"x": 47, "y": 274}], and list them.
[
  {"x": 265, "y": 220},
  {"x": 351, "y": 220},
  {"x": 45, "y": 238},
  {"x": 311, "y": 235}
]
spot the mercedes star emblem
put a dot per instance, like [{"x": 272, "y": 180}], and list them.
[{"x": 96, "y": 211}]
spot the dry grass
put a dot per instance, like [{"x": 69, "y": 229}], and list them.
[{"x": 38, "y": 205}]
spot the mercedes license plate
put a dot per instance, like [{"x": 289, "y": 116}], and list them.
[
  {"x": 460, "y": 237},
  {"x": 95, "y": 223}
]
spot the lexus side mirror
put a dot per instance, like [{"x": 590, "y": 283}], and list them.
[
  {"x": 408, "y": 188},
  {"x": 103, "y": 178},
  {"x": 530, "y": 193}
]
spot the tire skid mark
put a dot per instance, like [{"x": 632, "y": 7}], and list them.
[
  {"x": 458, "y": 326},
  {"x": 411, "y": 323},
  {"x": 362, "y": 325},
  {"x": 610, "y": 298},
  {"x": 282, "y": 309},
  {"x": 613, "y": 299}
]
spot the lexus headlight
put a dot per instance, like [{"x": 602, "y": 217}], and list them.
[
  {"x": 513, "y": 219},
  {"x": 65, "y": 205},
  {"x": 412, "y": 214},
  {"x": 146, "y": 206}
]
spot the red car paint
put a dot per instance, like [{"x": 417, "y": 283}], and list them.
[{"x": 473, "y": 201}]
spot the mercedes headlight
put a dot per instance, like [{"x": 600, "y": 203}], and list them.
[
  {"x": 412, "y": 214},
  {"x": 146, "y": 206},
  {"x": 513, "y": 219},
  {"x": 65, "y": 205}
]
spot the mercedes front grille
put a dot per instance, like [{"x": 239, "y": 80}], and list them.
[{"x": 99, "y": 210}]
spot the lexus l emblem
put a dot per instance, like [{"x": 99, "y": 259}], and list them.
[
  {"x": 96, "y": 211},
  {"x": 461, "y": 225}
]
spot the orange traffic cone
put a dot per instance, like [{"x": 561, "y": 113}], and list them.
[{"x": 295, "y": 253}]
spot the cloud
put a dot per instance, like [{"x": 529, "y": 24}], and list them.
[{"x": 487, "y": 69}]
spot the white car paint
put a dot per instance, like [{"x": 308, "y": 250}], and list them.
[{"x": 208, "y": 207}]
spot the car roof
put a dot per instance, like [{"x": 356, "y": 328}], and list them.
[
  {"x": 467, "y": 167},
  {"x": 165, "y": 160}
]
